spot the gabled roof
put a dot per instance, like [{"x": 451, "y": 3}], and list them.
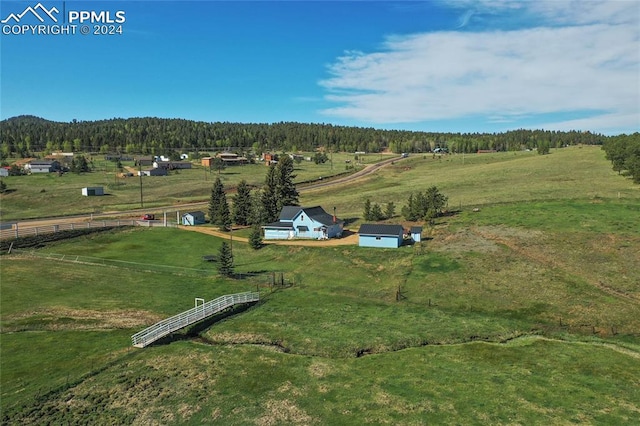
[
  {"x": 380, "y": 229},
  {"x": 196, "y": 213},
  {"x": 289, "y": 212},
  {"x": 316, "y": 213}
]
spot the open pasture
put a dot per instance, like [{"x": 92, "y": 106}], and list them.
[{"x": 525, "y": 312}]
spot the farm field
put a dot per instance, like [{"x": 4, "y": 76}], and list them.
[{"x": 525, "y": 312}]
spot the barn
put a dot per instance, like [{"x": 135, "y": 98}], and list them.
[
  {"x": 193, "y": 218},
  {"x": 90, "y": 191},
  {"x": 380, "y": 235}
]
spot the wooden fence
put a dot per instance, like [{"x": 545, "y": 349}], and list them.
[{"x": 17, "y": 231}]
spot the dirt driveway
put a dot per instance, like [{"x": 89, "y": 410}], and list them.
[{"x": 349, "y": 238}]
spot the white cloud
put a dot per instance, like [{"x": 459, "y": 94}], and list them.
[{"x": 590, "y": 68}]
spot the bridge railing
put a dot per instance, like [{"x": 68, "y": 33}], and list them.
[{"x": 193, "y": 315}]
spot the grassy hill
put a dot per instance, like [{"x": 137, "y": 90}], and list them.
[{"x": 525, "y": 312}]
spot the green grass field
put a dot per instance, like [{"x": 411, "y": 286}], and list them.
[{"x": 525, "y": 312}]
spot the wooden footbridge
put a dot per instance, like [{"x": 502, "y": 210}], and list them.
[{"x": 201, "y": 311}]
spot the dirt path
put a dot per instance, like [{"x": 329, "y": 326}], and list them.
[{"x": 349, "y": 238}]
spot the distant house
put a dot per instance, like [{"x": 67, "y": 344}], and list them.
[
  {"x": 43, "y": 166},
  {"x": 144, "y": 161},
  {"x": 153, "y": 172},
  {"x": 92, "y": 191},
  {"x": 4, "y": 171},
  {"x": 171, "y": 165},
  {"x": 63, "y": 157},
  {"x": 303, "y": 222},
  {"x": 380, "y": 235},
  {"x": 193, "y": 218},
  {"x": 231, "y": 159},
  {"x": 269, "y": 158},
  {"x": 207, "y": 161},
  {"x": 416, "y": 233}
]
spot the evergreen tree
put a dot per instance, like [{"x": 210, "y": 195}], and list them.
[
  {"x": 256, "y": 215},
  {"x": 286, "y": 193},
  {"x": 366, "y": 213},
  {"x": 218, "y": 206},
  {"x": 424, "y": 206},
  {"x": 224, "y": 215},
  {"x": 255, "y": 238},
  {"x": 407, "y": 210},
  {"x": 225, "y": 260},
  {"x": 242, "y": 204},
  {"x": 3, "y": 187},
  {"x": 376, "y": 212},
  {"x": 435, "y": 202},
  {"x": 269, "y": 198},
  {"x": 79, "y": 164},
  {"x": 390, "y": 211}
]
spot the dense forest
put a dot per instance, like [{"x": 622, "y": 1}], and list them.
[{"x": 25, "y": 135}]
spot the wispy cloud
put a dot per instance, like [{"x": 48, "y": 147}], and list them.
[
  {"x": 465, "y": 18},
  {"x": 587, "y": 60}
]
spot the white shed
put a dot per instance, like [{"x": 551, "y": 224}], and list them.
[
  {"x": 416, "y": 233},
  {"x": 193, "y": 218},
  {"x": 92, "y": 190}
]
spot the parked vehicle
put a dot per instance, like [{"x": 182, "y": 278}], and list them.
[{"x": 148, "y": 216}]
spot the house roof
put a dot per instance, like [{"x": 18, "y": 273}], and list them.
[
  {"x": 380, "y": 229},
  {"x": 196, "y": 213},
  {"x": 416, "y": 229},
  {"x": 43, "y": 162},
  {"x": 316, "y": 213}
]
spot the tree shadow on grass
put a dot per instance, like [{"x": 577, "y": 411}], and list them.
[{"x": 193, "y": 331}]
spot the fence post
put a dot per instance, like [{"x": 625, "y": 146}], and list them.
[{"x": 17, "y": 233}]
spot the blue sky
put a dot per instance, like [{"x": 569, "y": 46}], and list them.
[{"x": 446, "y": 66}]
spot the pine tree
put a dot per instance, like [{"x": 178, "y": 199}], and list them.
[
  {"x": 242, "y": 204},
  {"x": 255, "y": 238},
  {"x": 256, "y": 214},
  {"x": 435, "y": 202},
  {"x": 366, "y": 214},
  {"x": 218, "y": 206},
  {"x": 225, "y": 260},
  {"x": 376, "y": 212},
  {"x": 390, "y": 211},
  {"x": 286, "y": 193},
  {"x": 224, "y": 215},
  {"x": 269, "y": 197}
]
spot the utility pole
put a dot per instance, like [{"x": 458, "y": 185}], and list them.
[{"x": 140, "y": 174}]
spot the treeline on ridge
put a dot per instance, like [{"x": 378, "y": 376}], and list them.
[{"x": 24, "y": 135}]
